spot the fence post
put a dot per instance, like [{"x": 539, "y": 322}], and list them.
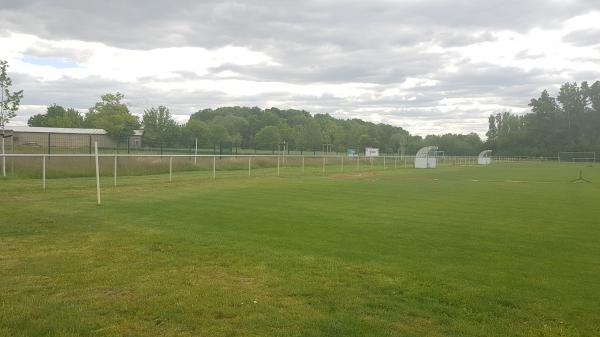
[
  {"x": 196, "y": 152},
  {"x": 324, "y": 158},
  {"x": 342, "y": 163},
  {"x": 3, "y": 158},
  {"x": 97, "y": 173},
  {"x": 249, "y": 165},
  {"x": 302, "y": 164},
  {"x": 115, "y": 169},
  {"x": 44, "y": 172},
  {"x": 358, "y": 162},
  {"x": 404, "y": 162},
  {"x": 278, "y": 166},
  {"x": 170, "y": 169},
  {"x": 214, "y": 167},
  {"x": 384, "y": 162}
]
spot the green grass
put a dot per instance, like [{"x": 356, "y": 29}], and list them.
[{"x": 506, "y": 250}]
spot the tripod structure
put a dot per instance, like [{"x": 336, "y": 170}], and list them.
[{"x": 581, "y": 179}]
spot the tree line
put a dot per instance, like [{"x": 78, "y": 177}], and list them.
[
  {"x": 568, "y": 122},
  {"x": 250, "y": 127}
]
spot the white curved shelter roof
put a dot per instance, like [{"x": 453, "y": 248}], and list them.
[
  {"x": 485, "y": 153},
  {"x": 427, "y": 151}
]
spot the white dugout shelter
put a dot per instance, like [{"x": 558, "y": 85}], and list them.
[
  {"x": 485, "y": 157},
  {"x": 426, "y": 157}
]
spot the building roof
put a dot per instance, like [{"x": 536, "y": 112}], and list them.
[
  {"x": 138, "y": 132},
  {"x": 57, "y": 130}
]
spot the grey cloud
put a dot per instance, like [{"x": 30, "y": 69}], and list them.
[
  {"x": 583, "y": 37},
  {"x": 151, "y": 23},
  {"x": 379, "y": 42}
]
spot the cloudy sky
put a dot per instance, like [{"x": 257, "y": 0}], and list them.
[{"x": 428, "y": 66}]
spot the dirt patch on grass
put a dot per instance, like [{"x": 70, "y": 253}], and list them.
[{"x": 354, "y": 175}]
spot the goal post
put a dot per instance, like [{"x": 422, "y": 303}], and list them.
[{"x": 577, "y": 157}]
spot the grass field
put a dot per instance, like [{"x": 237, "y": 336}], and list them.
[{"x": 506, "y": 250}]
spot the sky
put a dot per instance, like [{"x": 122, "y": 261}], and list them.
[{"x": 431, "y": 67}]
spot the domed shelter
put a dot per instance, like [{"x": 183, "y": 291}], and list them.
[
  {"x": 485, "y": 157},
  {"x": 426, "y": 157}
]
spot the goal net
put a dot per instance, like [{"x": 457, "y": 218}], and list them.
[{"x": 577, "y": 157}]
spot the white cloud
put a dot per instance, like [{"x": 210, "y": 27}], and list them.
[
  {"x": 446, "y": 78},
  {"x": 124, "y": 65}
]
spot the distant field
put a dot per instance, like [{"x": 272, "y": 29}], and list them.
[{"x": 506, "y": 250}]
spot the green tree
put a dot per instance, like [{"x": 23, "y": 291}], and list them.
[
  {"x": 267, "y": 138},
  {"x": 113, "y": 116},
  {"x": 160, "y": 129},
  {"x": 218, "y": 136},
  {"x": 197, "y": 129},
  {"x": 9, "y": 101},
  {"x": 58, "y": 117}
]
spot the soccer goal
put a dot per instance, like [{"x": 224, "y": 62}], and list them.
[
  {"x": 576, "y": 157},
  {"x": 485, "y": 157},
  {"x": 426, "y": 157}
]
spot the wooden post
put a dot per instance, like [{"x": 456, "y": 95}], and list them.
[
  {"x": 278, "y": 166},
  {"x": 342, "y": 163},
  {"x": 214, "y": 167},
  {"x": 170, "y": 169},
  {"x": 302, "y": 164},
  {"x": 249, "y": 165}
]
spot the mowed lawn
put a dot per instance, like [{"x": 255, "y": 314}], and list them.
[{"x": 506, "y": 250}]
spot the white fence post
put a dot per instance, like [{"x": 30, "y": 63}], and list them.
[
  {"x": 196, "y": 152},
  {"x": 115, "y": 169},
  {"x": 97, "y": 173},
  {"x": 3, "y": 159},
  {"x": 342, "y": 163},
  {"x": 384, "y": 162},
  {"x": 44, "y": 172},
  {"x": 214, "y": 167},
  {"x": 249, "y": 165},
  {"x": 324, "y": 158},
  {"x": 170, "y": 169},
  {"x": 278, "y": 166},
  {"x": 357, "y": 162},
  {"x": 302, "y": 164}
]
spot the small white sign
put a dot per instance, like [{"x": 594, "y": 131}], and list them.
[{"x": 371, "y": 152}]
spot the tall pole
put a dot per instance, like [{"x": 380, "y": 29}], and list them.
[
  {"x": 97, "y": 173},
  {"x": 196, "y": 152},
  {"x": 115, "y": 171},
  {"x": 44, "y": 172},
  {"x": 3, "y": 158}
]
